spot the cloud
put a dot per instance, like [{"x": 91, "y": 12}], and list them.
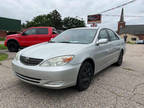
[{"x": 27, "y": 9}]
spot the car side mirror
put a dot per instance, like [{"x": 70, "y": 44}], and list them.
[
  {"x": 23, "y": 33},
  {"x": 101, "y": 41}
]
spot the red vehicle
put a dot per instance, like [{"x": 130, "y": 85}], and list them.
[{"x": 30, "y": 36}]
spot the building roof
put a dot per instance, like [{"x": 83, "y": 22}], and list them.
[
  {"x": 132, "y": 29},
  {"x": 7, "y": 24}
]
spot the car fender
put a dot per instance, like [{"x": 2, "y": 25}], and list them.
[
  {"x": 84, "y": 55},
  {"x": 11, "y": 40}
]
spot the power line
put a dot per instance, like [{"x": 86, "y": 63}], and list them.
[
  {"x": 124, "y": 16},
  {"x": 118, "y": 6}
]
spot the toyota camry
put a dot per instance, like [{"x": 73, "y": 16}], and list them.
[{"x": 70, "y": 59}]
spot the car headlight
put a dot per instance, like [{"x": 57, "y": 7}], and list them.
[
  {"x": 17, "y": 56},
  {"x": 57, "y": 61}
]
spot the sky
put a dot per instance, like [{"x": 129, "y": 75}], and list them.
[{"x": 25, "y": 10}]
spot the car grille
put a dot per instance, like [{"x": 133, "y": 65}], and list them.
[
  {"x": 30, "y": 79},
  {"x": 30, "y": 61}
]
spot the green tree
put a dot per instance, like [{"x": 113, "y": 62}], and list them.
[
  {"x": 52, "y": 19},
  {"x": 70, "y": 22},
  {"x": 56, "y": 19},
  {"x": 23, "y": 25},
  {"x": 41, "y": 20}
]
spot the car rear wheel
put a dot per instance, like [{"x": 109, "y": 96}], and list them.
[
  {"x": 120, "y": 59},
  {"x": 13, "y": 46},
  {"x": 85, "y": 76}
]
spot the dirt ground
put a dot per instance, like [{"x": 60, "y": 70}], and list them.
[{"x": 114, "y": 87}]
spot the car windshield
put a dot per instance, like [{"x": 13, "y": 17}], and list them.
[{"x": 78, "y": 36}]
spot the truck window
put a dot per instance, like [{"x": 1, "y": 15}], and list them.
[
  {"x": 42, "y": 31},
  {"x": 30, "y": 31}
]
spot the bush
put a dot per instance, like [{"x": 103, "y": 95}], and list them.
[
  {"x": 2, "y": 47},
  {"x": 131, "y": 42},
  {"x": 2, "y": 38}
]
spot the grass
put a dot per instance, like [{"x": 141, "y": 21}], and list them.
[
  {"x": 131, "y": 42},
  {"x": 3, "y": 56},
  {"x": 2, "y": 47},
  {"x": 2, "y": 39},
  {"x": 129, "y": 69}
]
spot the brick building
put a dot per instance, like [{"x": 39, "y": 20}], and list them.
[
  {"x": 3, "y": 34},
  {"x": 131, "y": 33}
]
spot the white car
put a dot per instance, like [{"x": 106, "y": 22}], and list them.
[
  {"x": 140, "y": 42},
  {"x": 70, "y": 59}
]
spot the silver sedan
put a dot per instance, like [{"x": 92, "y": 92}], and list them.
[{"x": 70, "y": 59}]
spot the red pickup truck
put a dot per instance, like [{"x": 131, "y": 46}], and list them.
[{"x": 30, "y": 36}]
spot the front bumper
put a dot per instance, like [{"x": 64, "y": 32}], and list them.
[{"x": 49, "y": 77}]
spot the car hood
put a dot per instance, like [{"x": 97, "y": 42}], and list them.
[{"x": 50, "y": 50}]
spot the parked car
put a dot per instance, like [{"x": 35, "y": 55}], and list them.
[
  {"x": 30, "y": 36},
  {"x": 140, "y": 42},
  {"x": 70, "y": 59}
]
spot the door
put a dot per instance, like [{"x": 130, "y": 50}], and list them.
[
  {"x": 102, "y": 51},
  {"x": 42, "y": 35},
  {"x": 28, "y": 37},
  {"x": 115, "y": 46}
]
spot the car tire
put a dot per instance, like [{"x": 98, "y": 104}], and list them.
[
  {"x": 120, "y": 59},
  {"x": 85, "y": 76},
  {"x": 13, "y": 46}
]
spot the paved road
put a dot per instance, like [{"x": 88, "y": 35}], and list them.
[{"x": 115, "y": 87}]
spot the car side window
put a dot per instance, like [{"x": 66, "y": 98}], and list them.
[
  {"x": 112, "y": 35},
  {"x": 42, "y": 31},
  {"x": 30, "y": 32},
  {"x": 103, "y": 35}
]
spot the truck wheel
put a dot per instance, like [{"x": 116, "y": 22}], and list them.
[
  {"x": 85, "y": 76},
  {"x": 13, "y": 46}
]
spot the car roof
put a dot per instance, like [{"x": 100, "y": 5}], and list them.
[
  {"x": 99, "y": 27},
  {"x": 86, "y": 28},
  {"x": 41, "y": 27}
]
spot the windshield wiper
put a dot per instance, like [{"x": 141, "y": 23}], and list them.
[{"x": 65, "y": 42}]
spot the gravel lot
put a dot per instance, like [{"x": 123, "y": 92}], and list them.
[{"x": 115, "y": 87}]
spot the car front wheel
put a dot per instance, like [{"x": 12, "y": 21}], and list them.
[
  {"x": 120, "y": 59},
  {"x": 85, "y": 76}
]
